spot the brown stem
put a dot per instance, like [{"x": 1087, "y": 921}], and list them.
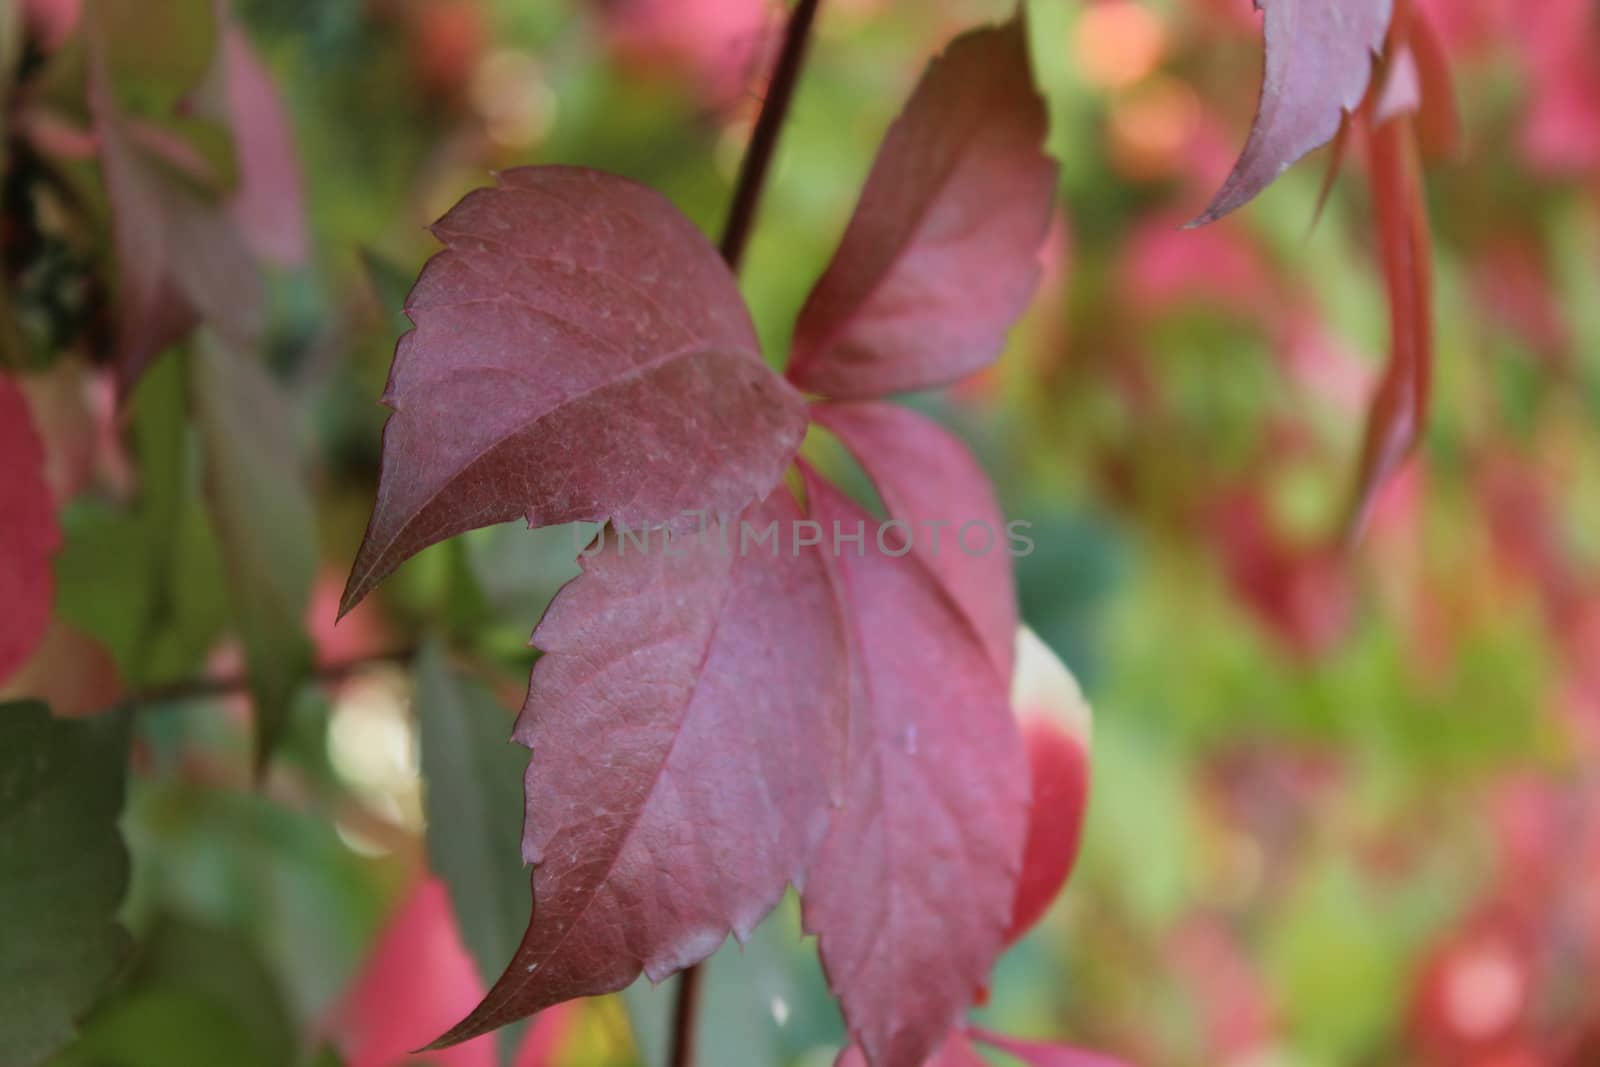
[
  {"x": 228, "y": 685},
  {"x": 683, "y": 1017},
  {"x": 764, "y": 139}
]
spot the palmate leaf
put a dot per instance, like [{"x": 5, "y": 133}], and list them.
[
  {"x": 1319, "y": 62},
  {"x": 941, "y": 255},
  {"x": 911, "y": 893},
  {"x": 581, "y": 353},
  {"x": 686, "y": 722}
]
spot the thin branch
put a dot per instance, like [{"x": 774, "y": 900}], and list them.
[
  {"x": 233, "y": 684},
  {"x": 764, "y": 139}
]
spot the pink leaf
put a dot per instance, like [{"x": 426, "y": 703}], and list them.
[
  {"x": 51, "y": 21},
  {"x": 269, "y": 205},
  {"x": 1045, "y": 1053},
  {"x": 942, "y": 253},
  {"x": 1319, "y": 62},
  {"x": 28, "y": 532},
  {"x": 956, "y": 1051},
  {"x": 911, "y": 893},
  {"x": 580, "y": 353},
  {"x": 417, "y": 978},
  {"x": 179, "y": 256},
  {"x": 684, "y": 722},
  {"x": 930, "y": 482},
  {"x": 1400, "y": 408},
  {"x": 1056, "y": 724}
]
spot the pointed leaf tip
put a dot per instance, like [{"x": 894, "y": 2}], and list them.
[
  {"x": 942, "y": 253},
  {"x": 1319, "y": 62}
]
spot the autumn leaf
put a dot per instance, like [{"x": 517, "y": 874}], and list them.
[
  {"x": 1400, "y": 408},
  {"x": 684, "y": 720},
  {"x": 29, "y": 535},
  {"x": 63, "y": 873},
  {"x": 944, "y": 506},
  {"x": 942, "y": 253},
  {"x": 261, "y": 511},
  {"x": 580, "y": 353},
  {"x": 911, "y": 893},
  {"x": 182, "y": 261},
  {"x": 1319, "y": 63}
]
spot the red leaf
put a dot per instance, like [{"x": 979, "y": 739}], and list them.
[
  {"x": 1044, "y": 1053},
  {"x": 580, "y": 353},
  {"x": 942, "y": 253},
  {"x": 685, "y": 721},
  {"x": 957, "y": 1051},
  {"x": 911, "y": 893},
  {"x": 181, "y": 259},
  {"x": 28, "y": 532},
  {"x": 1438, "y": 120},
  {"x": 1319, "y": 62},
  {"x": 1055, "y": 723},
  {"x": 929, "y": 481},
  {"x": 1401, "y": 406}
]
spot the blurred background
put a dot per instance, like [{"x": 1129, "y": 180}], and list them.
[{"x": 1346, "y": 806}]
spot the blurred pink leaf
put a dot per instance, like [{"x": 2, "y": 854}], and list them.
[
  {"x": 942, "y": 253},
  {"x": 417, "y": 978},
  {"x": 29, "y": 535},
  {"x": 268, "y": 206},
  {"x": 581, "y": 352},
  {"x": 719, "y": 44}
]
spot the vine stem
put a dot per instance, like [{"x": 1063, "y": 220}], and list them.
[
  {"x": 735, "y": 238},
  {"x": 229, "y": 685},
  {"x": 764, "y": 138}
]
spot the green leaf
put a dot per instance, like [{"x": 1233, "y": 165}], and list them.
[
  {"x": 162, "y": 1027},
  {"x": 262, "y": 515},
  {"x": 472, "y": 798},
  {"x": 147, "y": 583},
  {"x": 157, "y": 53},
  {"x": 222, "y": 967},
  {"x": 63, "y": 872}
]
